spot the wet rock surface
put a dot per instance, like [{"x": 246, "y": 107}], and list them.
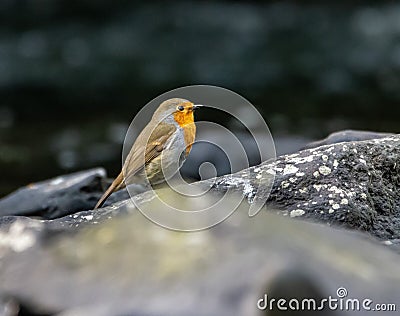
[
  {"x": 354, "y": 184},
  {"x": 56, "y": 197}
]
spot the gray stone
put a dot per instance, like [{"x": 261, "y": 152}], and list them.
[
  {"x": 56, "y": 197},
  {"x": 353, "y": 184}
]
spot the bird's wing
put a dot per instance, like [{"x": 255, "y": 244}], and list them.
[{"x": 142, "y": 153}]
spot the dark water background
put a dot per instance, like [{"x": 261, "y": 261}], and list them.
[{"x": 74, "y": 73}]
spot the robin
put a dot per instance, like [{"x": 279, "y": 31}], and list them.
[{"x": 161, "y": 147}]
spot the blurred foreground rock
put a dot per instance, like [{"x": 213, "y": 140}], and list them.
[{"x": 130, "y": 266}]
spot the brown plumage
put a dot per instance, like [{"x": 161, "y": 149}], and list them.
[{"x": 170, "y": 133}]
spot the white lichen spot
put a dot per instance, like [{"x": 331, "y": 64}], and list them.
[
  {"x": 271, "y": 171},
  {"x": 257, "y": 169},
  {"x": 330, "y": 211},
  {"x": 291, "y": 156},
  {"x": 324, "y": 157},
  {"x": 344, "y": 201},
  {"x": 335, "y": 163},
  {"x": 303, "y": 190},
  {"x": 292, "y": 179},
  {"x": 363, "y": 195},
  {"x": 345, "y": 148},
  {"x": 296, "y": 213},
  {"x": 318, "y": 187},
  {"x": 259, "y": 176},
  {"x": 335, "y": 189},
  {"x": 362, "y": 161},
  {"x": 316, "y": 174},
  {"x": 354, "y": 150},
  {"x": 350, "y": 194},
  {"x": 247, "y": 188},
  {"x": 331, "y": 202},
  {"x": 299, "y": 160},
  {"x": 87, "y": 217},
  {"x": 324, "y": 170},
  {"x": 314, "y": 202},
  {"x": 336, "y": 206},
  {"x": 290, "y": 169},
  {"x": 299, "y": 174},
  {"x": 285, "y": 184}
]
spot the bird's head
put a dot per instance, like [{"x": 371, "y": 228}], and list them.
[{"x": 180, "y": 110}]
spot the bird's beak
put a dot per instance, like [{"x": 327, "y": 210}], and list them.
[{"x": 197, "y": 106}]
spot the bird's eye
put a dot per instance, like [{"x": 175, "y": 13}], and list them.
[{"x": 181, "y": 108}]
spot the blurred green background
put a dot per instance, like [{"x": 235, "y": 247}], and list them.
[{"x": 74, "y": 73}]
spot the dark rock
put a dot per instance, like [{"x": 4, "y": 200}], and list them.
[
  {"x": 354, "y": 184},
  {"x": 346, "y": 136},
  {"x": 130, "y": 266},
  {"x": 56, "y": 197}
]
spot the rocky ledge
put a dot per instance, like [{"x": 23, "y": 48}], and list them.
[
  {"x": 352, "y": 184},
  {"x": 114, "y": 261}
]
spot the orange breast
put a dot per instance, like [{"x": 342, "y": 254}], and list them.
[
  {"x": 185, "y": 119},
  {"x": 189, "y": 133}
]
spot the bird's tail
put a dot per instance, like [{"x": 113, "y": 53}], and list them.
[{"x": 117, "y": 184}]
